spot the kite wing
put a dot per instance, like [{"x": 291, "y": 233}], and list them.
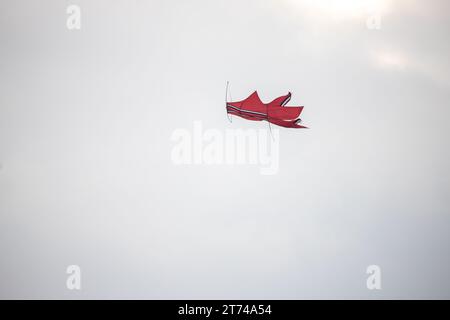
[{"x": 251, "y": 108}]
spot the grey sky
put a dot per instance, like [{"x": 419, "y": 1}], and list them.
[{"x": 86, "y": 177}]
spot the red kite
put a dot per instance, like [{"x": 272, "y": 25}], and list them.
[{"x": 274, "y": 112}]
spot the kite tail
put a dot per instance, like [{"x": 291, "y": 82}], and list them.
[
  {"x": 270, "y": 127},
  {"x": 270, "y": 130}
]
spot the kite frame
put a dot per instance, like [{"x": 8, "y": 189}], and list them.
[{"x": 226, "y": 102}]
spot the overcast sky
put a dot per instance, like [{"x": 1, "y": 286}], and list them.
[{"x": 86, "y": 177}]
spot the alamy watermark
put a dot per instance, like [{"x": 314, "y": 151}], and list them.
[
  {"x": 373, "y": 22},
  {"x": 199, "y": 146},
  {"x": 73, "y": 21},
  {"x": 73, "y": 281},
  {"x": 373, "y": 282}
]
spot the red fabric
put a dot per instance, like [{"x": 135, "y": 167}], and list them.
[{"x": 275, "y": 112}]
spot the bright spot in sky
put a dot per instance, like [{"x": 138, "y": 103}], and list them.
[
  {"x": 389, "y": 59},
  {"x": 343, "y": 8}
]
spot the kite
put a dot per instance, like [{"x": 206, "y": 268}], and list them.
[{"x": 275, "y": 112}]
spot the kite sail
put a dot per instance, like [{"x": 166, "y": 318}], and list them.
[{"x": 274, "y": 112}]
